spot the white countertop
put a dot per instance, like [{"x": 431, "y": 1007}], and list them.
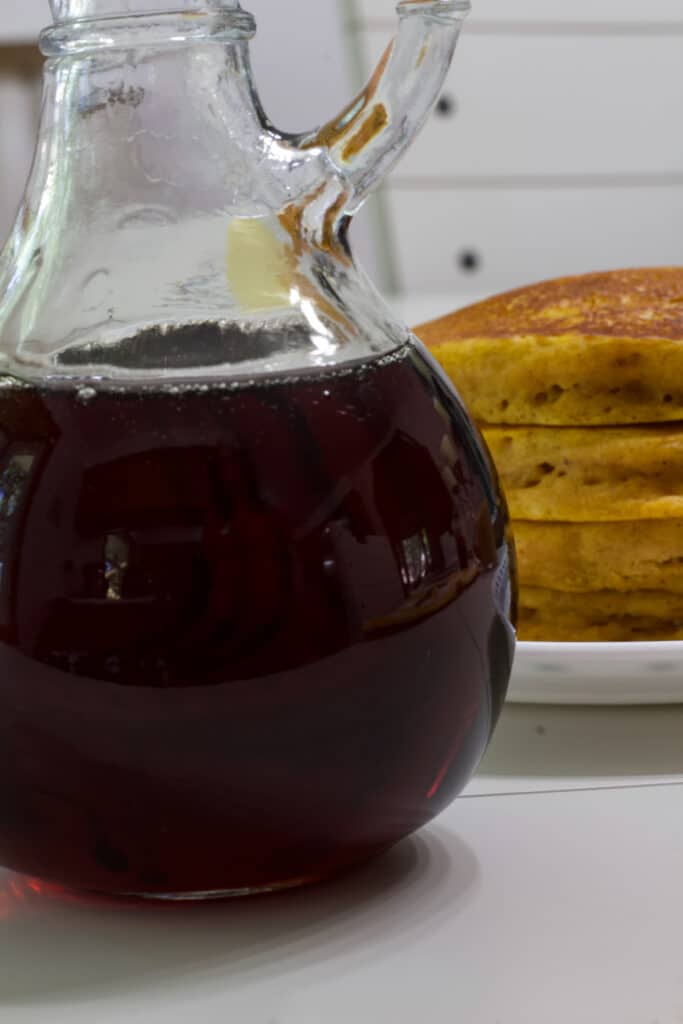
[{"x": 550, "y": 893}]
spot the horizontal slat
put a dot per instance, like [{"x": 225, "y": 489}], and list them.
[
  {"x": 548, "y": 11},
  {"x": 524, "y": 235},
  {"x": 562, "y": 106}
]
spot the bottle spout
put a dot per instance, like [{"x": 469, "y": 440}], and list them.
[{"x": 369, "y": 137}]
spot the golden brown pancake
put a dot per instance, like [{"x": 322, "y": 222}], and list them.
[
  {"x": 586, "y": 557},
  {"x": 596, "y": 349},
  {"x": 601, "y": 615},
  {"x": 590, "y": 474}
]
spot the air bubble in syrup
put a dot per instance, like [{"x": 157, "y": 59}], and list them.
[{"x": 86, "y": 395}]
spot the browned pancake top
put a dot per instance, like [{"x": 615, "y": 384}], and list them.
[{"x": 640, "y": 303}]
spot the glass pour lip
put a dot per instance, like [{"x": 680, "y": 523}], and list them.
[
  {"x": 80, "y": 10},
  {"x": 96, "y": 25}
]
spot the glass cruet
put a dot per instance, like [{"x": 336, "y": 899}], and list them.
[{"x": 256, "y": 583}]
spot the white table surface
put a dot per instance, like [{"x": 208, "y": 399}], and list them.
[{"x": 550, "y": 893}]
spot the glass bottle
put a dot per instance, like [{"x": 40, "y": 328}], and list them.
[{"x": 256, "y": 586}]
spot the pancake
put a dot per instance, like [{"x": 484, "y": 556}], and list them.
[
  {"x": 598, "y": 349},
  {"x": 585, "y": 557},
  {"x": 602, "y": 615},
  {"x": 590, "y": 474}
]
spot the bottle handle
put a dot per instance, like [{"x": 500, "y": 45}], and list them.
[{"x": 371, "y": 134}]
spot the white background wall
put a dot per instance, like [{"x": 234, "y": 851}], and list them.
[
  {"x": 558, "y": 147},
  {"x": 301, "y": 60}
]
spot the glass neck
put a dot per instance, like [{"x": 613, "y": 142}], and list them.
[
  {"x": 144, "y": 157},
  {"x": 161, "y": 196}
]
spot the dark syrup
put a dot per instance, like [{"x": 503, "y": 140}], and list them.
[{"x": 249, "y": 635}]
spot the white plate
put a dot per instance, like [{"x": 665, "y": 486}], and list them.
[{"x": 649, "y": 672}]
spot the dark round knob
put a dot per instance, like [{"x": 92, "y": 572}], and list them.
[
  {"x": 447, "y": 106},
  {"x": 469, "y": 261}
]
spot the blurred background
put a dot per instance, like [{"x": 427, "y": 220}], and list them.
[{"x": 556, "y": 146}]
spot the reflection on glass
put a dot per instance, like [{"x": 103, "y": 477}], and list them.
[
  {"x": 416, "y": 559},
  {"x": 14, "y": 478},
  {"x": 116, "y": 562},
  {"x": 16, "y": 470}
]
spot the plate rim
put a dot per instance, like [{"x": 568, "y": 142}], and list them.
[
  {"x": 625, "y": 672},
  {"x": 591, "y": 648}
]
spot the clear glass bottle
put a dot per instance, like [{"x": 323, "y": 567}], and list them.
[{"x": 255, "y": 601}]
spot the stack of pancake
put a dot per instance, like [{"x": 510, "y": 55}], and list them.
[{"x": 577, "y": 385}]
